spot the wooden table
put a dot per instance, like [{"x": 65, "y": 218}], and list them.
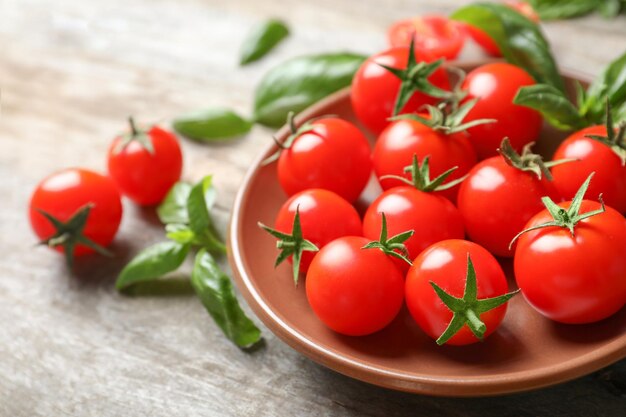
[{"x": 71, "y": 71}]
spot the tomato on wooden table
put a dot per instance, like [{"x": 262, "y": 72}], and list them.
[
  {"x": 434, "y": 34},
  {"x": 82, "y": 212}
]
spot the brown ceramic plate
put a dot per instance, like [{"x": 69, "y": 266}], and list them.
[{"x": 528, "y": 351}]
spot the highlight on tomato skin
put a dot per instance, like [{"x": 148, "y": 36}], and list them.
[{"x": 435, "y": 34}]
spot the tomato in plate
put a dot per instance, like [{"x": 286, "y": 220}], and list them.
[
  {"x": 328, "y": 153},
  {"x": 434, "y": 34},
  {"x": 375, "y": 89},
  {"x": 145, "y": 163},
  {"x": 570, "y": 263},
  {"x": 456, "y": 292},
  {"x": 495, "y": 85},
  {"x": 76, "y": 211},
  {"x": 605, "y": 155},
  {"x": 322, "y": 216},
  {"x": 354, "y": 291},
  {"x": 501, "y": 194}
]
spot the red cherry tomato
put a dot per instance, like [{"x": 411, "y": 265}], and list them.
[
  {"x": 432, "y": 217},
  {"x": 324, "y": 217},
  {"x": 397, "y": 144},
  {"x": 374, "y": 89},
  {"x": 144, "y": 176},
  {"x": 333, "y": 155},
  {"x": 354, "y": 291},
  {"x": 497, "y": 200},
  {"x": 574, "y": 279},
  {"x": 495, "y": 85},
  {"x": 593, "y": 156},
  {"x": 445, "y": 264},
  {"x": 434, "y": 34},
  {"x": 64, "y": 193}
]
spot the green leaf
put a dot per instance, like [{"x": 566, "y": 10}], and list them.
[
  {"x": 262, "y": 39},
  {"x": 212, "y": 124},
  {"x": 552, "y": 104},
  {"x": 609, "y": 8},
  {"x": 152, "y": 263},
  {"x": 296, "y": 84},
  {"x": 173, "y": 209},
  {"x": 563, "y": 9},
  {"x": 199, "y": 202},
  {"x": 215, "y": 290},
  {"x": 519, "y": 39},
  {"x": 180, "y": 233},
  {"x": 611, "y": 84}
]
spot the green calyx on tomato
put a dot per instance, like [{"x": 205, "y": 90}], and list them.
[
  {"x": 135, "y": 134},
  {"x": 467, "y": 310},
  {"x": 415, "y": 78},
  {"x": 291, "y": 244},
  {"x": 614, "y": 140},
  {"x": 566, "y": 218},
  {"x": 527, "y": 160},
  {"x": 420, "y": 177},
  {"x": 393, "y": 246},
  {"x": 69, "y": 234}
]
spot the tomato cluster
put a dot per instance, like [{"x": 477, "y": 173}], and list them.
[{"x": 460, "y": 188}]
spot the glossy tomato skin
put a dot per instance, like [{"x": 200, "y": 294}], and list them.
[
  {"x": 64, "y": 192},
  {"x": 374, "y": 89},
  {"x": 324, "y": 217},
  {"x": 482, "y": 39},
  {"x": 397, "y": 144},
  {"x": 497, "y": 200},
  {"x": 576, "y": 279},
  {"x": 432, "y": 217},
  {"x": 435, "y": 34},
  {"x": 354, "y": 291},
  {"x": 334, "y": 155},
  {"x": 143, "y": 177},
  {"x": 445, "y": 264},
  {"x": 495, "y": 85},
  {"x": 593, "y": 156}
]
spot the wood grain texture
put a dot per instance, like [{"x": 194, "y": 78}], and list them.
[{"x": 70, "y": 73}]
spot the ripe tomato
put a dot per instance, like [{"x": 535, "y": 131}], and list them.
[
  {"x": 354, "y": 291},
  {"x": 446, "y": 265},
  {"x": 497, "y": 200},
  {"x": 495, "y": 85},
  {"x": 575, "y": 278},
  {"x": 402, "y": 139},
  {"x": 328, "y": 153},
  {"x": 145, "y": 164},
  {"x": 434, "y": 34},
  {"x": 324, "y": 217},
  {"x": 593, "y": 156},
  {"x": 62, "y": 195},
  {"x": 375, "y": 89}
]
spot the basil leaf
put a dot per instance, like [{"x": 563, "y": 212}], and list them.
[
  {"x": 215, "y": 290},
  {"x": 262, "y": 39},
  {"x": 173, "y": 209},
  {"x": 520, "y": 40},
  {"x": 212, "y": 124},
  {"x": 152, "y": 263},
  {"x": 180, "y": 233},
  {"x": 296, "y": 84},
  {"x": 611, "y": 84},
  {"x": 563, "y": 9},
  {"x": 199, "y": 202},
  {"x": 609, "y": 8},
  {"x": 552, "y": 104}
]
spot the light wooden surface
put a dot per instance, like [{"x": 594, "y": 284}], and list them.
[{"x": 70, "y": 73}]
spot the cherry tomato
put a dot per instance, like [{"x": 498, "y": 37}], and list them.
[
  {"x": 574, "y": 279},
  {"x": 145, "y": 172},
  {"x": 497, "y": 200},
  {"x": 333, "y": 155},
  {"x": 64, "y": 193},
  {"x": 374, "y": 89},
  {"x": 593, "y": 156},
  {"x": 495, "y": 85},
  {"x": 397, "y": 144},
  {"x": 324, "y": 217},
  {"x": 354, "y": 291},
  {"x": 432, "y": 218},
  {"x": 446, "y": 264},
  {"x": 435, "y": 34}
]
